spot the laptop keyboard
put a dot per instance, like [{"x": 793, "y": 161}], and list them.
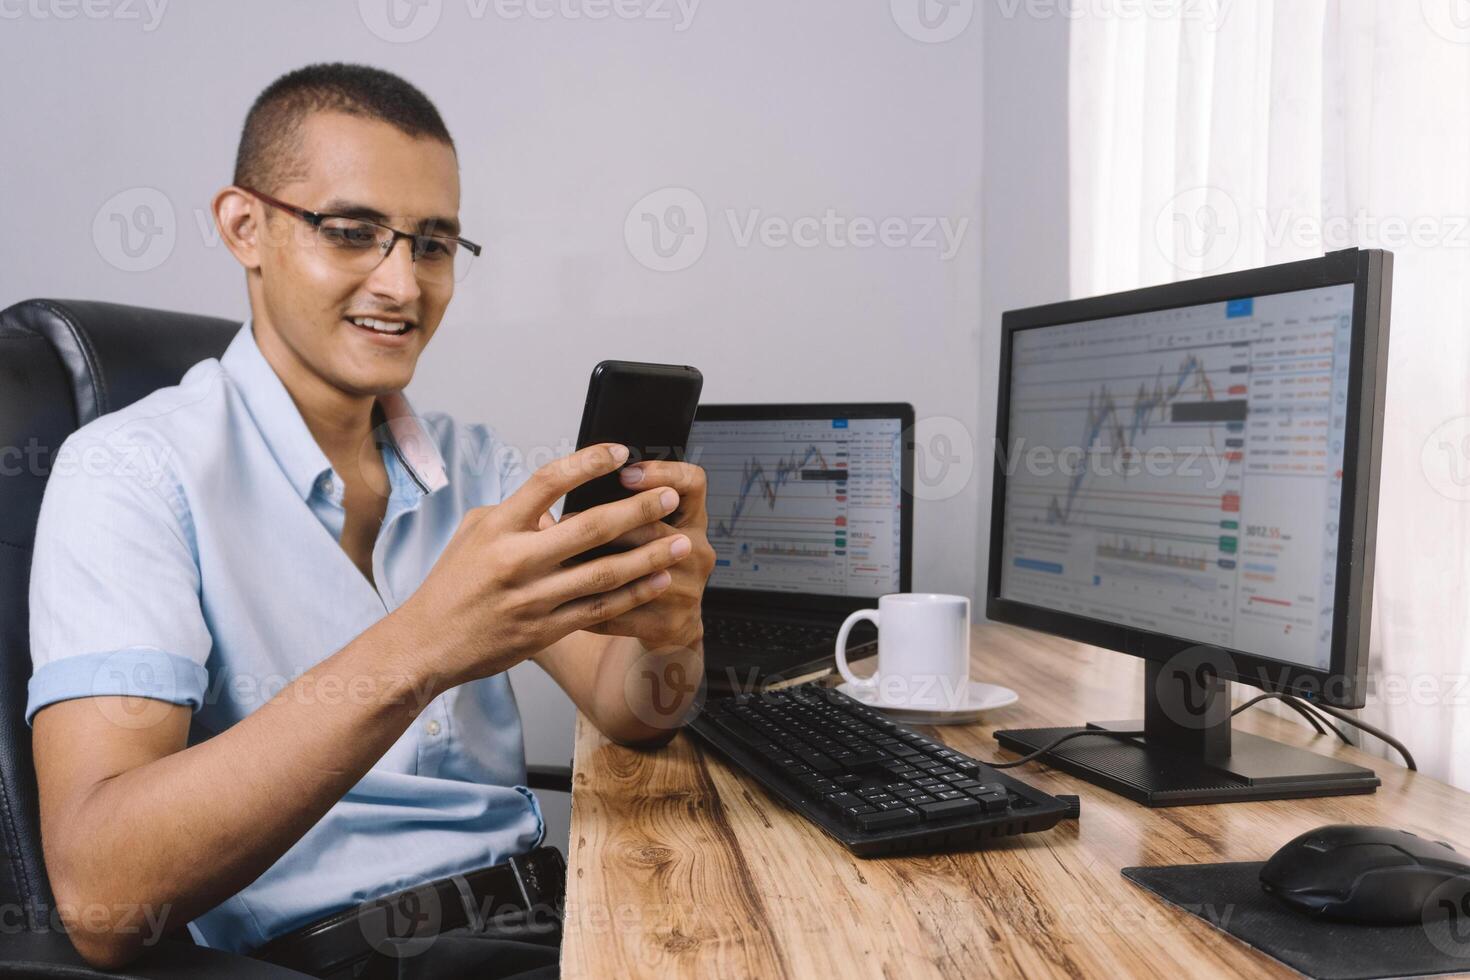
[{"x": 767, "y": 635}]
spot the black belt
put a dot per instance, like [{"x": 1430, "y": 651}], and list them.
[{"x": 404, "y": 922}]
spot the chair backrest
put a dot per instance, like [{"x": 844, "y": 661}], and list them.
[{"x": 62, "y": 364}]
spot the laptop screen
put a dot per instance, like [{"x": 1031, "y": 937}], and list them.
[{"x": 803, "y": 504}]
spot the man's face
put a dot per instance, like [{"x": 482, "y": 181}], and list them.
[{"x": 362, "y": 168}]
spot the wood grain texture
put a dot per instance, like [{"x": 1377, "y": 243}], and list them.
[{"x": 679, "y": 867}]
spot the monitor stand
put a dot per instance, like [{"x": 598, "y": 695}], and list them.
[{"x": 1189, "y": 753}]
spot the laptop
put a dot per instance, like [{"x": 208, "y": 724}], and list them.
[{"x": 811, "y": 519}]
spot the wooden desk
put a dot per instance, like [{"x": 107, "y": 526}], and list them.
[{"x": 678, "y": 866}]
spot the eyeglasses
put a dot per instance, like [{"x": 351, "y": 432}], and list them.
[{"x": 359, "y": 246}]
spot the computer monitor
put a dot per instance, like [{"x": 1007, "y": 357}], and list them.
[
  {"x": 806, "y": 502},
  {"x": 1188, "y": 474}
]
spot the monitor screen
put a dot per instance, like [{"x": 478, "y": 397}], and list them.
[
  {"x": 803, "y": 505},
  {"x": 1180, "y": 470}
]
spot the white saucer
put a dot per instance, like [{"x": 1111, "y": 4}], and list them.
[{"x": 980, "y": 697}]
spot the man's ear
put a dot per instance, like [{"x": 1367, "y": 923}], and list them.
[{"x": 238, "y": 217}]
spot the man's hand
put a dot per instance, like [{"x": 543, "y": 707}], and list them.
[
  {"x": 673, "y": 620},
  {"x": 638, "y": 681},
  {"x": 500, "y": 593}
]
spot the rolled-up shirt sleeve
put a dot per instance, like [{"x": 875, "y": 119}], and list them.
[{"x": 114, "y": 585}]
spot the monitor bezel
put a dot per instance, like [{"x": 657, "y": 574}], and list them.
[
  {"x": 1343, "y": 683},
  {"x": 805, "y": 603}
]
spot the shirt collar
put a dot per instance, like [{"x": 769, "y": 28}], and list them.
[{"x": 291, "y": 442}]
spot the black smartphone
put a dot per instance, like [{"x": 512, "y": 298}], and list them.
[{"x": 647, "y": 407}]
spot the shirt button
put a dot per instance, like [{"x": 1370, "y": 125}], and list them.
[{"x": 432, "y": 728}]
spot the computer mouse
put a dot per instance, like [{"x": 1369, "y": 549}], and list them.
[{"x": 1370, "y": 875}]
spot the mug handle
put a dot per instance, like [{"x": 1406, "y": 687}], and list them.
[{"x": 871, "y": 615}]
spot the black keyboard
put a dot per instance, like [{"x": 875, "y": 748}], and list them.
[
  {"x": 767, "y": 635},
  {"x": 876, "y": 786}
]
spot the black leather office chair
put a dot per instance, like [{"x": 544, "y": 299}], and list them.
[{"x": 62, "y": 364}]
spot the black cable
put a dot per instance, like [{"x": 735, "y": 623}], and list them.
[
  {"x": 1293, "y": 702},
  {"x": 1297, "y": 702},
  {"x": 1377, "y": 733},
  {"x": 1104, "y": 732},
  {"x": 1299, "y": 708},
  {"x": 1301, "y": 704},
  {"x": 1311, "y": 718}
]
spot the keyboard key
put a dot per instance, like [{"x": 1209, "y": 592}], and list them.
[
  {"x": 887, "y": 819},
  {"x": 949, "y": 794},
  {"x": 841, "y": 801},
  {"x": 741, "y": 732},
  {"x": 944, "y": 809},
  {"x": 993, "y": 802},
  {"x": 815, "y": 759}
]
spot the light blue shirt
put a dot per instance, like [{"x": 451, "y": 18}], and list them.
[{"x": 187, "y": 550}]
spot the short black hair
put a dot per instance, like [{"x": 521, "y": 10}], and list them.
[{"x": 270, "y": 144}]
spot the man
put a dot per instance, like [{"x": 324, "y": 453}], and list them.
[{"x": 270, "y": 660}]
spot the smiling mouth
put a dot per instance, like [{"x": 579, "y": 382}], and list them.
[{"x": 392, "y": 328}]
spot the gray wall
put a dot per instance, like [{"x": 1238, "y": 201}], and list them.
[
  {"x": 564, "y": 123},
  {"x": 1024, "y": 241}
]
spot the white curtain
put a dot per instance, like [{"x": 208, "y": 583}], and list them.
[{"x": 1228, "y": 134}]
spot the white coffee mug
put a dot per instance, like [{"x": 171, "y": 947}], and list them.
[{"x": 923, "y": 650}]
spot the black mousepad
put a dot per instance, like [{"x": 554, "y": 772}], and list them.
[{"x": 1229, "y": 897}]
